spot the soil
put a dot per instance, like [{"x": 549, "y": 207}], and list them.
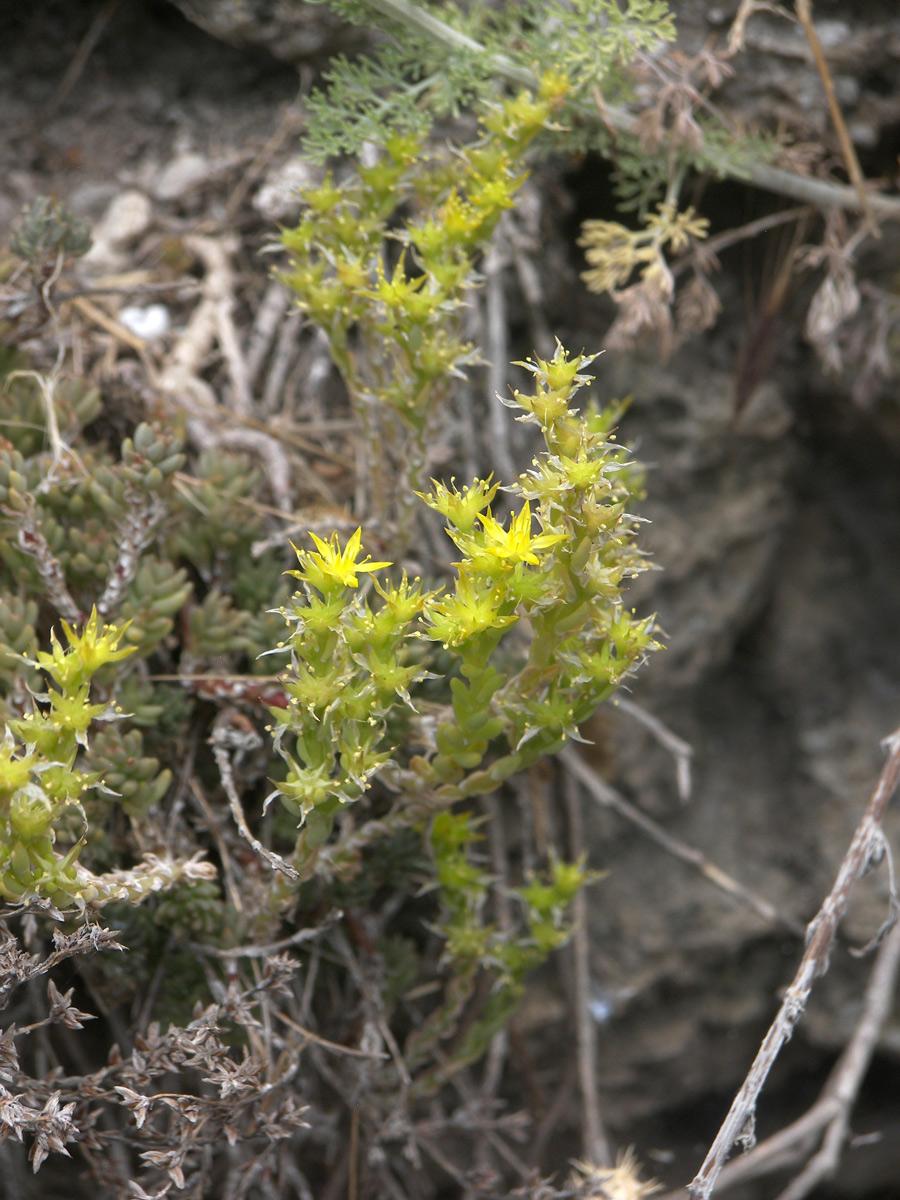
[{"x": 775, "y": 524}]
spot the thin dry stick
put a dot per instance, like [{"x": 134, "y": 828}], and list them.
[
  {"x": 831, "y": 1110},
  {"x": 135, "y": 530},
  {"x": 270, "y": 311},
  {"x": 610, "y": 798},
  {"x": 296, "y": 939},
  {"x": 98, "y": 317},
  {"x": 702, "y": 252},
  {"x": 30, "y": 539},
  {"x": 285, "y": 359},
  {"x": 497, "y": 356},
  {"x": 223, "y": 738},
  {"x": 553, "y": 1116},
  {"x": 290, "y": 125},
  {"x": 680, "y": 750},
  {"x": 73, "y": 73},
  {"x": 804, "y": 16},
  {"x": 746, "y": 9},
  {"x": 335, "y": 1047},
  {"x": 46, "y": 386},
  {"x": 218, "y": 295},
  {"x": 213, "y": 825},
  {"x": 845, "y": 1081},
  {"x": 866, "y": 848},
  {"x": 211, "y": 320},
  {"x": 596, "y": 1146},
  {"x": 184, "y": 287}
]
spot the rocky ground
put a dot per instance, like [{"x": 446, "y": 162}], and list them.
[{"x": 775, "y": 512}]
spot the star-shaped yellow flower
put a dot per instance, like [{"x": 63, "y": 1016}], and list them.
[
  {"x": 516, "y": 544},
  {"x": 333, "y": 567}
]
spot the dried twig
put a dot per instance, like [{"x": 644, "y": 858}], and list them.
[
  {"x": 804, "y": 15},
  {"x": 229, "y": 734},
  {"x": 680, "y": 750},
  {"x": 270, "y": 313},
  {"x": 290, "y": 125},
  {"x": 46, "y": 386},
  {"x": 79, "y": 61},
  {"x": 216, "y": 830},
  {"x": 866, "y": 849},
  {"x": 610, "y": 798},
  {"x": 497, "y": 357},
  {"x": 30, "y": 539},
  {"x": 184, "y": 288},
  {"x": 746, "y": 9},
  {"x": 180, "y": 376},
  {"x": 135, "y": 530},
  {"x": 218, "y": 299},
  {"x": 296, "y": 939},
  {"x": 703, "y": 252},
  {"x": 595, "y": 1143},
  {"x": 831, "y": 1111},
  {"x": 285, "y": 361},
  {"x": 97, "y": 316},
  {"x": 840, "y": 1092}
]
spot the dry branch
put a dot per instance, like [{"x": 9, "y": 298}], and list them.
[
  {"x": 596, "y": 1146},
  {"x": 610, "y": 798},
  {"x": 831, "y": 1111},
  {"x": 804, "y": 15},
  {"x": 231, "y": 733},
  {"x": 866, "y": 849}
]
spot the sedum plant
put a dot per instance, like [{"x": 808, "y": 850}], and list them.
[
  {"x": 135, "y": 632},
  {"x": 405, "y": 697},
  {"x": 472, "y": 942},
  {"x": 94, "y": 554},
  {"x": 528, "y": 638},
  {"x": 534, "y": 632},
  {"x": 389, "y": 299},
  {"x": 41, "y": 787}
]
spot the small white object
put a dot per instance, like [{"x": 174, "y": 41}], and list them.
[
  {"x": 601, "y": 1009},
  {"x": 180, "y": 175},
  {"x": 128, "y": 216},
  {"x": 281, "y": 195},
  {"x": 148, "y": 323}
]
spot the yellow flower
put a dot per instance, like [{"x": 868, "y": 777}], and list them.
[
  {"x": 461, "y": 508},
  {"x": 516, "y": 544},
  {"x": 88, "y": 651},
  {"x": 333, "y": 567},
  {"x": 470, "y": 611}
]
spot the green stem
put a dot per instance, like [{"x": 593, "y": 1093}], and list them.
[{"x": 817, "y": 192}]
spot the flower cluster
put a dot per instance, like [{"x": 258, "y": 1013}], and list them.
[
  {"x": 42, "y": 783},
  {"x": 401, "y": 291},
  {"x": 556, "y": 568}
]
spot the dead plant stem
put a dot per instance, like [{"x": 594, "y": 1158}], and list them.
[
  {"x": 866, "y": 849},
  {"x": 610, "y": 798},
  {"x": 831, "y": 1110},
  {"x": 596, "y": 1145},
  {"x": 804, "y": 15}
]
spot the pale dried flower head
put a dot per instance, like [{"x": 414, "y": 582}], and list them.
[
  {"x": 698, "y": 306},
  {"x": 644, "y": 308},
  {"x": 622, "y": 1182}
]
